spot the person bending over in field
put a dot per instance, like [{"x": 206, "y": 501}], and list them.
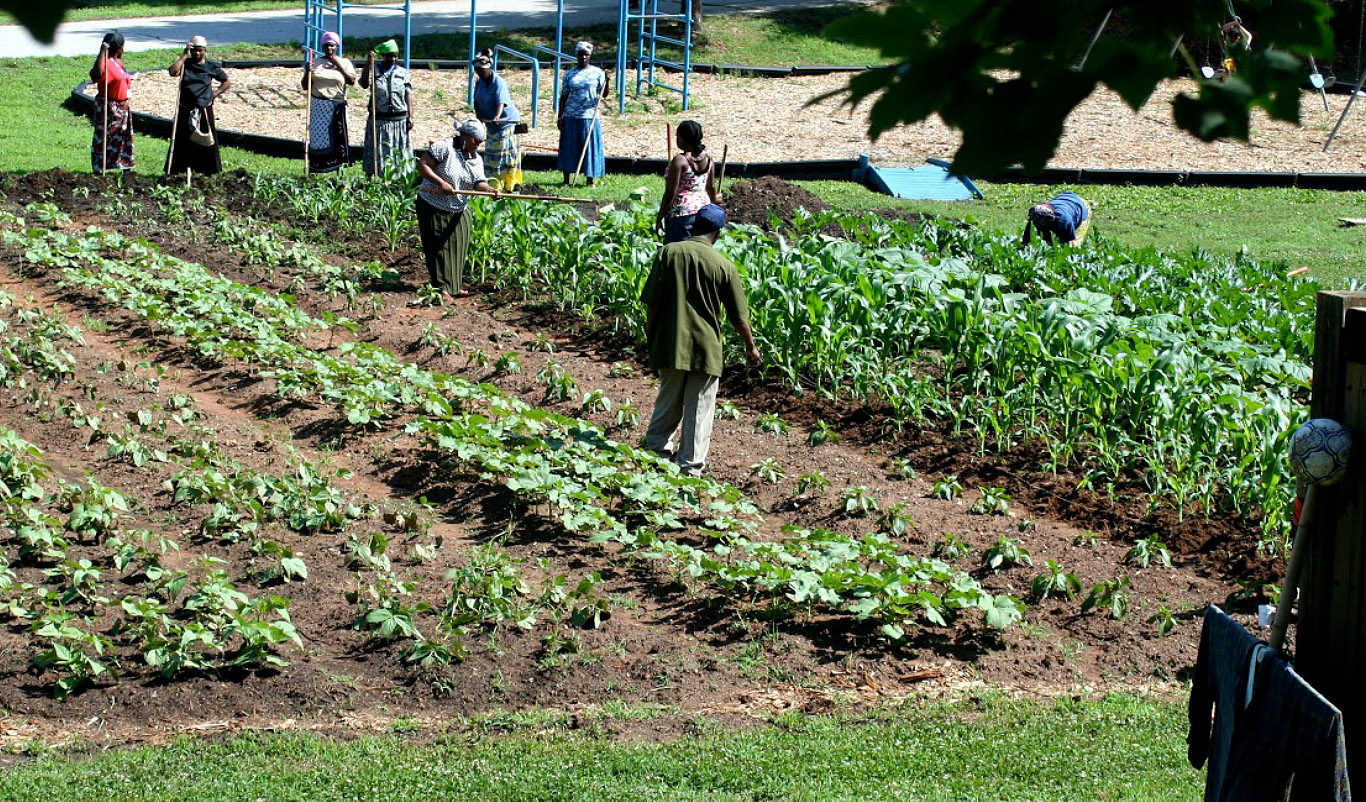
[
  {"x": 689, "y": 286},
  {"x": 1066, "y": 216}
]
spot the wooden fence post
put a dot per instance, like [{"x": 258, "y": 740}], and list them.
[{"x": 1330, "y": 636}]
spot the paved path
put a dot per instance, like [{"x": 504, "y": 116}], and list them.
[{"x": 272, "y": 27}]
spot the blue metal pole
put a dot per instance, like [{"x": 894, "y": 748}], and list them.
[
  {"x": 407, "y": 33},
  {"x": 687, "y": 51},
  {"x": 559, "y": 48},
  {"x": 469, "y": 66},
  {"x": 622, "y": 46}
]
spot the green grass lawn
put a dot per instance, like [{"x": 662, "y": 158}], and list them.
[{"x": 998, "y": 749}]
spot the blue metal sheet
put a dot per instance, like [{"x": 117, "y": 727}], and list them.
[{"x": 925, "y": 182}]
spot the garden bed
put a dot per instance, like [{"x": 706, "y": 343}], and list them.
[{"x": 667, "y": 642}]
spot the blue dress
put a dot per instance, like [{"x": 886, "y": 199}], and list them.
[{"x": 579, "y": 123}]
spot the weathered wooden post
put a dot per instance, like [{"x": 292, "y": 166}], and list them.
[{"x": 1330, "y": 639}]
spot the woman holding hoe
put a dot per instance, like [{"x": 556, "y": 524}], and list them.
[
  {"x": 194, "y": 146},
  {"x": 391, "y": 113},
  {"x": 326, "y": 78},
  {"x": 580, "y": 128},
  {"x": 112, "y": 147},
  {"x": 450, "y": 167}
]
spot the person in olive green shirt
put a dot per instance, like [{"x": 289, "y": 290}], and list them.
[{"x": 688, "y": 287}]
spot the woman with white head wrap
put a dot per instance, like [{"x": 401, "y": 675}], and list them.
[
  {"x": 448, "y": 166},
  {"x": 326, "y": 78},
  {"x": 578, "y": 119},
  {"x": 393, "y": 113},
  {"x": 196, "y": 141}
]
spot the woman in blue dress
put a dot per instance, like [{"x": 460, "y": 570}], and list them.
[{"x": 579, "y": 122}]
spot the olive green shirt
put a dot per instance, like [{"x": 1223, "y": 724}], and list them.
[{"x": 689, "y": 284}]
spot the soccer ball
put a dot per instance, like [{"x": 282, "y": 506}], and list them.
[{"x": 1320, "y": 450}]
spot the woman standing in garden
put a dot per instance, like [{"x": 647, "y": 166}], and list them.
[
  {"x": 580, "y": 128},
  {"x": 449, "y": 166},
  {"x": 112, "y": 147},
  {"x": 195, "y": 144},
  {"x": 392, "y": 115},
  {"x": 689, "y": 184},
  {"x": 494, "y": 107},
  {"x": 327, "y": 78}
]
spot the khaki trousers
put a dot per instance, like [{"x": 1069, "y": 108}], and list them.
[{"x": 689, "y": 398}]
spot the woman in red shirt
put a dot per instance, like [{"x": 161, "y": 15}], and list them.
[{"x": 112, "y": 148}]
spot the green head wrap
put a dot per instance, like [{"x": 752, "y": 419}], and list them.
[{"x": 387, "y": 47}]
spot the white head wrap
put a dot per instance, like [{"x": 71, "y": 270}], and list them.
[
  {"x": 472, "y": 128},
  {"x": 198, "y": 41},
  {"x": 584, "y": 47}
]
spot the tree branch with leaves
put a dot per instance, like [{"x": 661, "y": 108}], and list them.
[{"x": 1007, "y": 73}]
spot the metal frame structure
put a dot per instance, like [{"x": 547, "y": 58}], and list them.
[
  {"x": 315, "y": 22},
  {"x": 646, "y": 64}
]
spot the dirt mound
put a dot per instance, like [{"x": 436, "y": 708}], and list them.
[{"x": 752, "y": 201}]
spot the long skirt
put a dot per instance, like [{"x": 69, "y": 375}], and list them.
[
  {"x": 185, "y": 154},
  {"x": 503, "y": 155},
  {"x": 328, "y": 145},
  {"x": 395, "y": 148},
  {"x": 572, "y": 137},
  {"x": 112, "y": 147},
  {"x": 445, "y": 242}
]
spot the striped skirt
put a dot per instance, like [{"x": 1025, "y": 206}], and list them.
[
  {"x": 395, "y": 148},
  {"x": 503, "y": 154},
  {"x": 112, "y": 148}
]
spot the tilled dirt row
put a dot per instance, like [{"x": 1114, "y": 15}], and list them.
[{"x": 662, "y": 645}]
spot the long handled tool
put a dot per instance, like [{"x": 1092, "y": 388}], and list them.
[
  {"x": 668, "y": 143},
  {"x": 104, "y": 80},
  {"x": 175, "y": 120},
  {"x": 374, "y": 118},
  {"x": 308, "y": 104},
  {"x": 721, "y": 171},
  {"x": 587, "y": 140},
  {"x": 508, "y": 195},
  {"x": 541, "y": 147}
]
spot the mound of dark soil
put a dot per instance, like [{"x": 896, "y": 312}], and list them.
[{"x": 752, "y": 201}]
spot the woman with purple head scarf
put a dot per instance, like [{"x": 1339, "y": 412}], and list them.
[{"x": 326, "y": 78}]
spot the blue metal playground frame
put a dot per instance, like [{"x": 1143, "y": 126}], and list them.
[
  {"x": 315, "y": 22},
  {"x": 645, "y": 65}
]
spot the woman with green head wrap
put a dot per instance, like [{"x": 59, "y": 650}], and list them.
[{"x": 391, "y": 118}]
